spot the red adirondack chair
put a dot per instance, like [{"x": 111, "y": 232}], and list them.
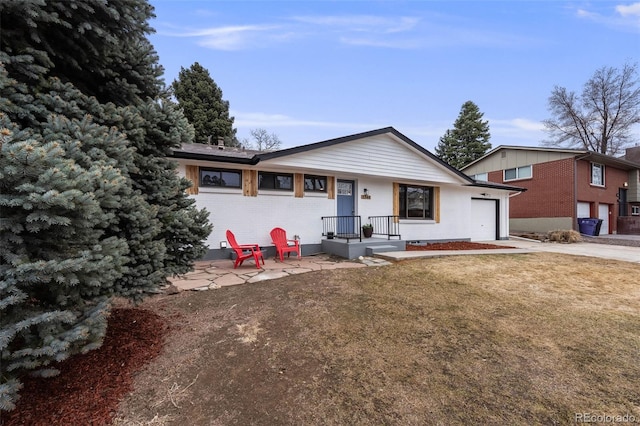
[
  {"x": 279, "y": 238},
  {"x": 244, "y": 251}
]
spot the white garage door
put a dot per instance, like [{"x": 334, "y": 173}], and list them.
[
  {"x": 603, "y": 213},
  {"x": 483, "y": 220},
  {"x": 584, "y": 210}
]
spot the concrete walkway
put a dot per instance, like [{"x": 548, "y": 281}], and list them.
[
  {"x": 603, "y": 251},
  {"x": 213, "y": 274}
]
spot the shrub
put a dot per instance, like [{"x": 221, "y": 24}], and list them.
[{"x": 564, "y": 236}]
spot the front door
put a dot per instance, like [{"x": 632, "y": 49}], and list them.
[
  {"x": 346, "y": 207},
  {"x": 622, "y": 200}
]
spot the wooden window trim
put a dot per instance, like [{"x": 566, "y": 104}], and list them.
[{"x": 192, "y": 173}]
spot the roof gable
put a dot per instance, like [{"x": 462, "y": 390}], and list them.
[
  {"x": 505, "y": 157},
  {"x": 384, "y": 152}
]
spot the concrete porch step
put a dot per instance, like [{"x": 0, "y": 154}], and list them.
[{"x": 371, "y": 250}]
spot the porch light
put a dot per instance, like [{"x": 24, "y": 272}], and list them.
[
  {"x": 626, "y": 184},
  {"x": 223, "y": 244},
  {"x": 366, "y": 191}
]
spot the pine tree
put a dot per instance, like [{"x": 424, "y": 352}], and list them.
[
  {"x": 469, "y": 139},
  {"x": 99, "y": 46},
  {"x": 90, "y": 206},
  {"x": 59, "y": 262},
  {"x": 201, "y": 100}
]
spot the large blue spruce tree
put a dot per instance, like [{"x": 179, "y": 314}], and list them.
[{"x": 90, "y": 206}]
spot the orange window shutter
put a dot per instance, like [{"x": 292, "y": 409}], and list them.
[
  {"x": 298, "y": 185},
  {"x": 192, "y": 174},
  {"x": 436, "y": 204},
  {"x": 331, "y": 187}
]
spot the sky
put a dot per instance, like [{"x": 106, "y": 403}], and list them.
[{"x": 308, "y": 71}]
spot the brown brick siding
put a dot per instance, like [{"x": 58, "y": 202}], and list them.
[
  {"x": 549, "y": 192},
  {"x": 613, "y": 180}
]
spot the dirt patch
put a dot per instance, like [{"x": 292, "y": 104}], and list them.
[
  {"x": 509, "y": 339},
  {"x": 454, "y": 245}
]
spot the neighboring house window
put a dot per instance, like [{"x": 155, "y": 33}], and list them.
[
  {"x": 635, "y": 210},
  {"x": 278, "y": 181},
  {"x": 481, "y": 176},
  {"x": 597, "y": 174},
  {"x": 523, "y": 172},
  {"x": 315, "y": 183},
  {"x": 416, "y": 202},
  {"x": 220, "y": 178}
]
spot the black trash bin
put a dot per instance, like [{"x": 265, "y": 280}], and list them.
[
  {"x": 598, "y": 226},
  {"x": 587, "y": 225}
]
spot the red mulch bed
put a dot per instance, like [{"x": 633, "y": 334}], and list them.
[
  {"x": 455, "y": 245},
  {"x": 90, "y": 386}
]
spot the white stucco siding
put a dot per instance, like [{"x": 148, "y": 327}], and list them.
[
  {"x": 251, "y": 218},
  {"x": 381, "y": 155}
]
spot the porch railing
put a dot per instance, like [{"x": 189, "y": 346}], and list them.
[
  {"x": 344, "y": 227},
  {"x": 388, "y": 226}
]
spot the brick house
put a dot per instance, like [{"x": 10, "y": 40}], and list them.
[{"x": 564, "y": 185}]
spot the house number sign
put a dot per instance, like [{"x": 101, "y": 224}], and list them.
[{"x": 345, "y": 188}]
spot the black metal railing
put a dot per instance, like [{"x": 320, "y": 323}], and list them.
[
  {"x": 344, "y": 227},
  {"x": 388, "y": 226}
]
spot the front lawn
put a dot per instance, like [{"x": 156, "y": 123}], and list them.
[{"x": 495, "y": 339}]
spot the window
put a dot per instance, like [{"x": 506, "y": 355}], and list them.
[
  {"x": 597, "y": 174},
  {"x": 220, "y": 178},
  {"x": 635, "y": 210},
  {"x": 416, "y": 202},
  {"x": 277, "y": 181},
  {"x": 523, "y": 172},
  {"x": 315, "y": 183},
  {"x": 481, "y": 176}
]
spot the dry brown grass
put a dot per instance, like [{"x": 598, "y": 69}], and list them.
[
  {"x": 564, "y": 236},
  {"x": 494, "y": 339}
]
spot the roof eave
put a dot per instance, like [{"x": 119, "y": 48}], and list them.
[
  {"x": 218, "y": 158},
  {"x": 492, "y": 185}
]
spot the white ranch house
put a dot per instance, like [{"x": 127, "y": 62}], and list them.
[{"x": 324, "y": 192}]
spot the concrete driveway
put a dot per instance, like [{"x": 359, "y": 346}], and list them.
[{"x": 603, "y": 251}]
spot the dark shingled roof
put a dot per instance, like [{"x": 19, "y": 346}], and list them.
[{"x": 242, "y": 156}]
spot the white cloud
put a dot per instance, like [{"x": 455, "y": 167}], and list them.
[
  {"x": 516, "y": 131},
  {"x": 362, "y": 23},
  {"x": 629, "y": 10},
  {"x": 229, "y": 37},
  {"x": 252, "y": 120},
  {"x": 623, "y": 17}
]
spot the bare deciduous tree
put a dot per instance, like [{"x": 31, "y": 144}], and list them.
[
  {"x": 262, "y": 140},
  {"x": 602, "y": 117}
]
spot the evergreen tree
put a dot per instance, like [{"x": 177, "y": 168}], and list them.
[
  {"x": 59, "y": 262},
  {"x": 99, "y": 46},
  {"x": 469, "y": 139},
  {"x": 90, "y": 205},
  {"x": 201, "y": 100}
]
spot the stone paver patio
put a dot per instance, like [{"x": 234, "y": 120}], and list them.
[{"x": 214, "y": 274}]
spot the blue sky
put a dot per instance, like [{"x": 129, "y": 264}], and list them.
[{"x": 315, "y": 70}]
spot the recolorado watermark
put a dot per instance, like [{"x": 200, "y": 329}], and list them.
[{"x": 605, "y": 418}]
